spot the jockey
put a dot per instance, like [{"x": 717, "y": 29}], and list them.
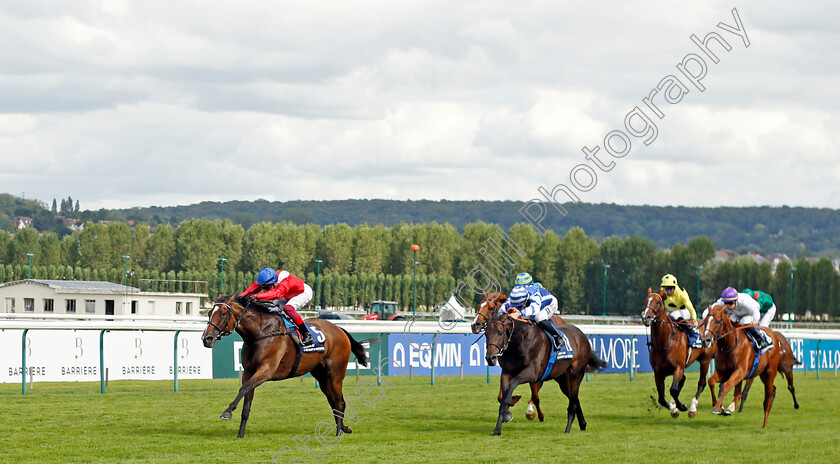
[
  {"x": 744, "y": 310},
  {"x": 284, "y": 290},
  {"x": 537, "y": 304},
  {"x": 768, "y": 307},
  {"x": 680, "y": 308}
]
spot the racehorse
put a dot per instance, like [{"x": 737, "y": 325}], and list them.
[
  {"x": 522, "y": 350},
  {"x": 786, "y": 363},
  {"x": 269, "y": 353},
  {"x": 486, "y": 309},
  {"x": 670, "y": 354},
  {"x": 734, "y": 359}
]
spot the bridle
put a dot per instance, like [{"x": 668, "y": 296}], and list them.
[
  {"x": 655, "y": 319},
  {"x": 505, "y": 331},
  {"x": 222, "y": 332}
]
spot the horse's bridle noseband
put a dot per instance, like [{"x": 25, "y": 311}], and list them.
[
  {"x": 504, "y": 330},
  {"x": 222, "y": 332}
]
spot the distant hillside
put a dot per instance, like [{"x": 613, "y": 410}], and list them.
[{"x": 798, "y": 232}]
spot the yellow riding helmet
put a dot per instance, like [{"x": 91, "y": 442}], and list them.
[{"x": 668, "y": 280}]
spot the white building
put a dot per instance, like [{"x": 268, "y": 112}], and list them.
[{"x": 34, "y": 296}]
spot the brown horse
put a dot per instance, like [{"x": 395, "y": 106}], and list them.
[
  {"x": 486, "y": 309},
  {"x": 269, "y": 353},
  {"x": 786, "y": 363},
  {"x": 522, "y": 350},
  {"x": 670, "y": 354},
  {"x": 734, "y": 359}
]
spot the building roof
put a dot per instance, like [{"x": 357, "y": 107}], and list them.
[{"x": 77, "y": 285}]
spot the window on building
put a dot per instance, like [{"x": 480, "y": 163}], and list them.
[
  {"x": 10, "y": 305},
  {"x": 90, "y": 306},
  {"x": 70, "y": 306},
  {"x": 189, "y": 307},
  {"x": 134, "y": 304},
  {"x": 29, "y": 304},
  {"x": 48, "y": 305},
  {"x": 177, "y": 307}
]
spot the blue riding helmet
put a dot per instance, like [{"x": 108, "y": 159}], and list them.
[
  {"x": 518, "y": 296},
  {"x": 267, "y": 276},
  {"x": 523, "y": 279}
]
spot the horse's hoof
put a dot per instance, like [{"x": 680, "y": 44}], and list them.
[
  {"x": 675, "y": 413},
  {"x": 726, "y": 412},
  {"x": 530, "y": 415},
  {"x": 682, "y": 407},
  {"x": 716, "y": 411},
  {"x": 507, "y": 417},
  {"x": 225, "y": 415},
  {"x": 692, "y": 414},
  {"x": 346, "y": 429},
  {"x": 497, "y": 432}
]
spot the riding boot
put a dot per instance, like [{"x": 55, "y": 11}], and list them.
[
  {"x": 759, "y": 339},
  {"x": 549, "y": 327},
  {"x": 306, "y": 337},
  {"x": 694, "y": 337}
]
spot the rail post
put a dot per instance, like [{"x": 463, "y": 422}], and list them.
[
  {"x": 102, "y": 361},
  {"x": 175, "y": 362},
  {"x": 23, "y": 361}
]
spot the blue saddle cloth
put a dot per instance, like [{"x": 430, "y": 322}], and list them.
[
  {"x": 758, "y": 352},
  {"x": 565, "y": 352},
  {"x": 318, "y": 337}
]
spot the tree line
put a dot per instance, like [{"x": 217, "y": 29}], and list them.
[{"x": 363, "y": 262}]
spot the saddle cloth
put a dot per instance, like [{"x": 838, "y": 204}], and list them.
[
  {"x": 565, "y": 352},
  {"x": 318, "y": 337}
]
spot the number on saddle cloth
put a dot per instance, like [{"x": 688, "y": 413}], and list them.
[{"x": 565, "y": 352}]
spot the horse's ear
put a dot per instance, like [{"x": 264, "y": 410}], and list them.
[{"x": 650, "y": 290}]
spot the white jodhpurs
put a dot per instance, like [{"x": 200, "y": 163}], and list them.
[
  {"x": 547, "y": 312},
  {"x": 680, "y": 314},
  {"x": 767, "y": 317},
  {"x": 298, "y": 301}
]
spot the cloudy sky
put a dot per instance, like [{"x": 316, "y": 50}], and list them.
[{"x": 122, "y": 104}]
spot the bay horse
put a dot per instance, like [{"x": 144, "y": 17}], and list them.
[
  {"x": 670, "y": 354},
  {"x": 269, "y": 353},
  {"x": 734, "y": 359},
  {"x": 786, "y": 363},
  {"x": 486, "y": 309},
  {"x": 522, "y": 350}
]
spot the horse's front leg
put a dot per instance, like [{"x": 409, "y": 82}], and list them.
[
  {"x": 246, "y": 412},
  {"x": 253, "y": 381},
  {"x": 676, "y": 386},
  {"x": 745, "y": 394},
  {"x": 734, "y": 379},
  {"x": 508, "y": 385},
  {"x": 659, "y": 379}
]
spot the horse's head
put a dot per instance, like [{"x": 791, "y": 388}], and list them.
[
  {"x": 486, "y": 310},
  {"x": 717, "y": 323},
  {"x": 654, "y": 309},
  {"x": 498, "y": 332},
  {"x": 224, "y": 317}
]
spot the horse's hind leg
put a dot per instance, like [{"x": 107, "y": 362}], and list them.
[
  {"x": 246, "y": 413},
  {"x": 676, "y": 388},
  {"x": 535, "y": 401},
  {"x": 789, "y": 376},
  {"x": 701, "y": 385},
  {"x": 745, "y": 393},
  {"x": 332, "y": 389}
]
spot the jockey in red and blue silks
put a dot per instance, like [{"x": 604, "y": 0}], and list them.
[
  {"x": 286, "y": 291},
  {"x": 537, "y": 304}
]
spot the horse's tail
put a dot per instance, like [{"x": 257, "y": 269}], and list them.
[
  {"x": 595, "y": 363},
  {"x": 357, "y": 349}
]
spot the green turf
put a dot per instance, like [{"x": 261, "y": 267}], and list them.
[{"x": 141, "y": 421}]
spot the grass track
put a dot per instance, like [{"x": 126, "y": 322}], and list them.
[{"x": 142, "y": 421}]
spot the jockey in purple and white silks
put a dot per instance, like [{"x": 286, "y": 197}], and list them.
[
  {"x": 744, "y": 310},
  {"x": 537, "y": 304}
]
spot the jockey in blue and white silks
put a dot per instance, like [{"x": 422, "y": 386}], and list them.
[{"x": 537, "y": 304}]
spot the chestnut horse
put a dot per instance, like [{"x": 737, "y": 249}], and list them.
[
  {"x": 269, "y": 353},
  {"x": 734, "y": 358},
  {"x": 486, "y": 309},
  {"x": 786, "y": 363},
  {"x": 522, "y": 350},
  {"x": 670, "y": 354}
]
